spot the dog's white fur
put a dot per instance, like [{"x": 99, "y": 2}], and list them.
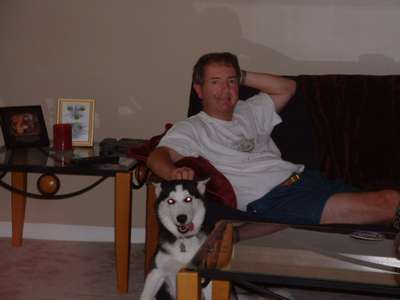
[{"x": 170, "y": 257}]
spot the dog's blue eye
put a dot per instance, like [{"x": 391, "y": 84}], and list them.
[
  {"x": 188, "y": 199},
  {"x": 171, "y": 201}
]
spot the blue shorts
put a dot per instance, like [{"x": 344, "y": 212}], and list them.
[{"x": 301, "y": 202}]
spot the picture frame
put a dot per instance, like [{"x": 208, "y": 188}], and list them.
[
  {"x": 23, "y": 126},
  {"x": 80, "y": 114}
]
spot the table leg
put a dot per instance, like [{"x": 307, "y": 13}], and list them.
[
  {"x": 18, "y": 204},
  {"x": 123, "y": 200},
  {"x": 188, "y": 285},
  {"x": 221, "y": 290},
  {"x": 152, "y": 229}
]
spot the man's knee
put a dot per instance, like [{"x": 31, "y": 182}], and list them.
[
  {"x": 387, "y": 197},
  {"x": 369, "y": 207}
]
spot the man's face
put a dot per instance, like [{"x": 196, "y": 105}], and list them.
[{"x": 219, "y": 91}]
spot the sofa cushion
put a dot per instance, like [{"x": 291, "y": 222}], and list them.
[{"x": 356, "y": 124}]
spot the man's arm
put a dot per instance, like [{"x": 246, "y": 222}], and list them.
[
  {"x": 161, "y": 161},
  {"x": 280, "y": 89}
]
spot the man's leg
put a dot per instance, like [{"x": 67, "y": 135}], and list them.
[{"x": 361, "y": 208}]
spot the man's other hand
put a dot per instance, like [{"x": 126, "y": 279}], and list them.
[{"x": 182, "y": 173}]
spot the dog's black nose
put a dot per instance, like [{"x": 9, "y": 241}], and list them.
[{"x": 181, "y": 219}]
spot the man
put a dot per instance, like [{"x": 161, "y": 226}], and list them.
[{"x": 234, "y": 136}]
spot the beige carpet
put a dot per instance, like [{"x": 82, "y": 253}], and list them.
[{"x": 60, "y": 270}]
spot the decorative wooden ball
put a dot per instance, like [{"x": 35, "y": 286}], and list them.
[
  {"x": 48, "y": 184},
  {"x": 141, "y": 172}
]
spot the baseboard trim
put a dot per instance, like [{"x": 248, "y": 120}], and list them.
[{"x": 71, "y": 232}]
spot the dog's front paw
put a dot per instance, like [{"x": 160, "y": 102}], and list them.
[{"x": 145, "y": 297}]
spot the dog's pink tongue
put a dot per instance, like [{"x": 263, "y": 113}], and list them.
[{"x": 190, "y": 226}]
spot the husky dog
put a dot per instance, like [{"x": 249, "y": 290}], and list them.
[{"x": 180, "y": 211}]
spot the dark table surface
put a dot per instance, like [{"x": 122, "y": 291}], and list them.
[{"x": 46, "y": 160}]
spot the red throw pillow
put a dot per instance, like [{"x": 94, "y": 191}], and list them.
[{"x": 218, "y": 188}]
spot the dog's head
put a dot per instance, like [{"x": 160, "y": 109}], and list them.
[{"x": 180, "y": 206}]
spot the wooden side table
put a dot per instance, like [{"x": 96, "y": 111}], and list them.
[{"x": 20, "y": 162}]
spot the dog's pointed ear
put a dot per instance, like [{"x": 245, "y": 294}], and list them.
[
  {"x": 158, "y": 188},
  {"x": 201, "y": 185}
]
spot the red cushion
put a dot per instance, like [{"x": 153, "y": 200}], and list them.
[{"x": 218, "y": 188}]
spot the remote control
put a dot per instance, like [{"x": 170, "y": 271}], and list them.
[{"x": 95, "y": 160}]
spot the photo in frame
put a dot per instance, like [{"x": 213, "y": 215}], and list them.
[
  {"x": 23, "y": 126},
  {"x": 80, "y": 114}
]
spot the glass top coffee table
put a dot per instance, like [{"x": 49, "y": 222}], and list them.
[{"x": 340, "y": 258}]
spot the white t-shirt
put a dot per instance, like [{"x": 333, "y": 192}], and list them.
[{"x": 241, "y": 149}]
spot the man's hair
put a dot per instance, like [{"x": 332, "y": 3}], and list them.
[{"x": 225, "y": 58}]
